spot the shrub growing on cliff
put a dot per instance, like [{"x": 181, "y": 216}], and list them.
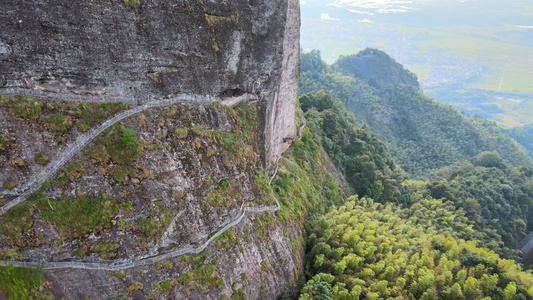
[
  {"x": 42, "y": 159},
  {"x": 133, "y": 3},
  {"x": 129, "y": 138},
  {"x": 120, "y": 144},
  {"x": 17, "y": 223},
  {"x": 226, "y": 139},
  {"x": 10, "y": 185},
  {"x": 57, "y": 122}
]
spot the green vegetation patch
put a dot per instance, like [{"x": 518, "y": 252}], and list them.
[
  {"x": 219, "y": 20},
  {"x": 356, "y": 152},
  {"x": 106, "y": 249},
  {"x": 123, "y": 172},
  {"x": 42, "y": 159},
  {"x": 181, "y": 132},
  {"x": 22, "y": 107},
  {"x": 17, "y": 224},
  {"x": 118, "y": 143},
  {"x": 128, "y": 138},
  {"x": 92, "y": 114},
  {"x": 202, "y": 276},
  {"x": 71, "y": 172},
  {"x": 227, "y": 239},
  {"x": 261, "y": 179},
  {"x": 185, "y": 278},
  {"x": 217, "y": 199},
  {"x": 133, "y": 3},
  {"x": 241, "y": 142},
  {"x": 227, "y": 140},
  {"x": 61, "y": 116},
  {"x": 422, "y": 134},
  {"x": 164, "y": 287},
  {"x": 118, "y": 274},
  {"x": 495, "y": 196},
  {"x": 302, "y": 186},
  {"x": 148, "y": 226},
  {"x": 6, "y": 141},
  {"x": 22, "y": 283},
  {"x": 206, "y": 272},
  {"x": 224, "y": 185},
  {"x": 10, "y": 185},
  {"x": 76, "y": 218},
  {"x": 57, "y": 122}
]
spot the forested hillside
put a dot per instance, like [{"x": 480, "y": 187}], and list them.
[
  {"x": 423, "y": 135},
  {"x": 366, "y": 250},
  {"x": 497, "y": 197},
  {"x": 442, "y": 238},
  {"x": 364, "y": 160},
  {"x": 431, "y": 243},
  {"x": 523, "y": 135}
]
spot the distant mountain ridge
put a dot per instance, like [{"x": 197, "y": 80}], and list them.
[
  {"x": 376, "y": 67},
  {"x": 423, "y": 134}
]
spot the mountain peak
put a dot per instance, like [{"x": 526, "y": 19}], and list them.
[{"x": 377, "y": 67}]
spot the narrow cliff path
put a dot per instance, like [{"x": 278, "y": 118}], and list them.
[
  {"x": 127, "y": 264},
  {"x": 235, "y": 101},
  {"x": 36, "y": 181},
  {"x": 123, "y": 264}
]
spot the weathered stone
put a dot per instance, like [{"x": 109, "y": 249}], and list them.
[
  {"x": 4, "y": 48},
  {"x": 108, "y": 50}
]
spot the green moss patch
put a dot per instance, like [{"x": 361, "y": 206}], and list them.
[{"x": 219, "y": 20}]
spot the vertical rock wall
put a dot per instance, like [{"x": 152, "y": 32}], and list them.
[
  {"x": 281, "y": 122},
  {"x": 134, "y": 51}
]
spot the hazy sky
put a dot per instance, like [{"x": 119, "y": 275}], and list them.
[
  {"x": 475, "y": 12},
  {"x": 372, "y": 7}
]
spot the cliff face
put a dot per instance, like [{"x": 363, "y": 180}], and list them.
[
  {"x": 136, "y": 51},
  {"x": 128, "y": 213},
  {"x": 168, "y": 198}
]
